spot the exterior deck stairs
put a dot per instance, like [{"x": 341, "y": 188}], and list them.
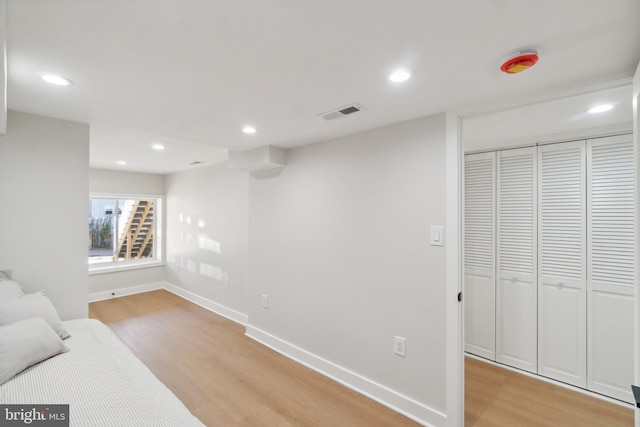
[{"x": 136, "y": 240}]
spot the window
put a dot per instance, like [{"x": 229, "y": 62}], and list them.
[{"x": 124, "y": 232}]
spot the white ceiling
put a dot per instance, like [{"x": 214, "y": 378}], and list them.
[
  {"x": 199, "y": 70},
  {"x": 561, "y": 119},
  {"x": 110, "y": 145}
]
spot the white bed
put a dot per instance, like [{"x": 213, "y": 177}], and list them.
[{"x": 103, "y": 382}]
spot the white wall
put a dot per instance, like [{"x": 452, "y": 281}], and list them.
[
  {"x": 207, "y": 234},
  {"x": 125, "y": 183},
  {"x": 560, "y": 119},
  {"x": 339, "y": 242},
  {"x": 122, "y": 182},
  {"x": 118, "y": 280},
  {"x": 44, "y": 186}
]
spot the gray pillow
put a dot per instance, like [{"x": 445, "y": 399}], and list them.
[
  {"x": 10, "y": 289},
  {"x": 25, "y": 343},
  {"x": 31, "y": 305}
]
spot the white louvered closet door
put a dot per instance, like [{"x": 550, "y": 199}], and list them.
[
  {"x": 610, "y": 292},
  {"x": 562, "y": 304},
  {"x": 479, "y": 250},
  {"x": 516, "y": 302}
]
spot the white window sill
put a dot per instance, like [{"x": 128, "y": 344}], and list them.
[{"x": 114, "y": 268}]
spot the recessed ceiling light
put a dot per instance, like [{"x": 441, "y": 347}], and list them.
[
  {"x": 600, "y": 108},
  {"x": 400, "y": 76},
  {"x": 56, "y": 80},
  {"x": 121, "y": 162},
  {"x": 158, "y": 147},
  {"x": 249, "y": 129}
]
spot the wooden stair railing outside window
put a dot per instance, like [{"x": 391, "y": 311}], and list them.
[{"x": 137, "y": 239}]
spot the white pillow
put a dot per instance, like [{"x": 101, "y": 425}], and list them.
[
  {"x": 31, "y": 305},
  {"x": 25, "y": 343},
  {"x": 10, "y": 289}
]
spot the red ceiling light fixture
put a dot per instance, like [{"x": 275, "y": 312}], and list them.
[{"x": 519, "y": 61}]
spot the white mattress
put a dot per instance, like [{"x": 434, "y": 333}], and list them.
[{"x": 103, "y": 382}]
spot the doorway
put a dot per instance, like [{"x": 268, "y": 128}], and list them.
[{"x": 562, "y": 119}]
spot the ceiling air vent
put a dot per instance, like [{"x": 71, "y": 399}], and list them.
[{"x": 341, "y": 112}]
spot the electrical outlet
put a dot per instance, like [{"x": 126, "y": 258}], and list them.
[
  {"x": 265, "y": 301},
  {"x": 399, "y": 346}
]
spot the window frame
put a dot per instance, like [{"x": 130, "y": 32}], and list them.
[{"x": 157, "y": 260}]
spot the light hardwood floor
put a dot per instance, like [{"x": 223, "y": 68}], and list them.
[
  {"x": 495, "y": 396},
  {"x": 227, "y": 379}
]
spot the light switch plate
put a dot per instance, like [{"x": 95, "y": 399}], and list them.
[{"x": 437, "y": 235}]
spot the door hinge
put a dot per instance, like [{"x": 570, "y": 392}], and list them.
[{"x": 459, "y": 296}]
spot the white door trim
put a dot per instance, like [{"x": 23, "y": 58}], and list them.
[
  {"x": 454, "y": 263},
  {"x": 636, "y": 146}
]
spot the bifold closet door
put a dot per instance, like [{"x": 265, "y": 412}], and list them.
[
  {"x": 562, "y": 300},
  {"x": 516, "y": 271},
  {"x": 479, "y": 250},
  {"x": 610, "y": 294}
]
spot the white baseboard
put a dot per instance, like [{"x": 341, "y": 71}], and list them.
[
  {"x": 210, "y": 305},
  {"x": 115, "y": 293},
  {"x": 404, "y": 405}
]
